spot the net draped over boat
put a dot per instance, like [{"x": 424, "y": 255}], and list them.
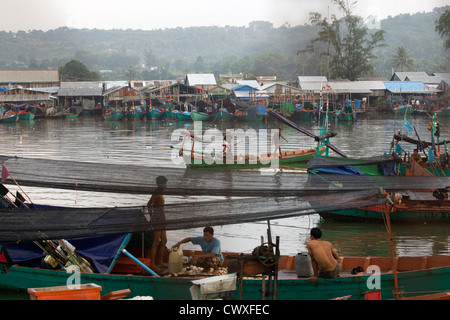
[{"x": 253, "y": 197}]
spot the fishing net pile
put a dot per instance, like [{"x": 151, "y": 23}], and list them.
[{"x": 251, "y": 196}]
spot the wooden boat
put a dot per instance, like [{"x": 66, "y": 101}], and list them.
[
  {"x": 113, "y": 114},
  {"x": 411, "y": 207},
  {"x": 416, "y": 276},
  {"x": 347, "y": 114},
  {"x": 27, "y": 112},
  {"x": 184, "y": 116},
  {"x": 135, "y": 114},
  {"x": 154, "y": 113},
  {"x": 200, "y": 116},
  {"x": 9, "y": 117},
  {"x": 443, "y": 113},
  {"x": 250, "y": 161},
  {"x": 222, "y": 115}
]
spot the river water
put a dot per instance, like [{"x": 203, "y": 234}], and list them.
[{"x": 147, "y": 143}]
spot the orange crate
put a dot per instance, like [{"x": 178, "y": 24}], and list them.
[{"x": 88, "y": 291}]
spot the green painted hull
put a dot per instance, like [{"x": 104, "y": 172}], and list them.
[
  {"x": 200, "y": 162},
  {"x": 170, "y": 115},
  {"x": 376, "y": 214},
  {"x": 9, "y": 119},
  {"x": 154, "y": 114},
  {"x": 346, "y": 117},
  {"x": 113, "y": 116},
  {"x": 445, "y": 113},
  {"x": 184, "y": 117},
  {"x": 293, "y": 288},
  {"x": 200, "y": 116},
  {"x": 134, "y": 116},
  {"x": 249, "y": 119},
  {"x": 27, "y": 116},
  {"x": 223, "y": 116}
]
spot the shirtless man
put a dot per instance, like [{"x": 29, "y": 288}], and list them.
[{"x": 323, "y": 257}]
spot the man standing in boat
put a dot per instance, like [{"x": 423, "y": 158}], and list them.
[
  {"x": 156, "y": 208},
  {"x": 325, "y": 260},
  {"x": 211, "y": 256}
]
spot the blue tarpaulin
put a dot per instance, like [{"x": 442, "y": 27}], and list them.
[{"x": 100, "y": 251}]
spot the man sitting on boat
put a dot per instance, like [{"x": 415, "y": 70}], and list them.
[
  {"x": 325, "y": 260},
  {"x": 416, "y": 157},
  {"x": 211, "y": 256}
]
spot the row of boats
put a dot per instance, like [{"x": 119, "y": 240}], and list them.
[{"x": 136, "y": 113}]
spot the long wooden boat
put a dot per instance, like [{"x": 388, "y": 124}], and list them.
[
  {"x": 412, "y": 207},
  {"x": 250, "y": 161},
  {"x": 113, "y": 114},
  {"x": 222, "y": 115},
  {"x": 443, "y": 113},
  {"x": 200, "y": 116},
  {"x": 154, "y": 114},
  {"x": 135, "y": 114},
  {"x": 27, "y": 112},
  {"x": 9, "y": 118},
  {"x": 416, "y": 276},
  {"x": 247, "y": 118},
  {"x": 184, "y": 116}
]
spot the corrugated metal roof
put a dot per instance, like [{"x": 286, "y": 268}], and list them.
[
  {"x": 27, "y": 76},
  {"x": 73, "y": 89},
  {"x": 401, "y": 76},
  {"x": 343, "y": 86},
  {"x": 408, "y": 87},
  {"x": 312, "y": 79},
  {"x": 200, "y": 79}
]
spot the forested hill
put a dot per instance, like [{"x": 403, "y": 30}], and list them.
[{"x": 258, "y": 48}]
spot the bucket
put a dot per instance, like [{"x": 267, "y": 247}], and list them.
[
  {"x": 176, "y": 261},
  {"x": 303, "y": 266}
]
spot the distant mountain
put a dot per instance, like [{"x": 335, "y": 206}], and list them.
[{"x": 210, "y": 49}]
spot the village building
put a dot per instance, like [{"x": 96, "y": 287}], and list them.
[{"x": 29, "y": 78}]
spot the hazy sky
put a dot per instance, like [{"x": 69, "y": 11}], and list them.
[{"x": 147, "y": 14}]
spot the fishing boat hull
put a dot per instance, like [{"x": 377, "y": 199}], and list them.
[
  {"x": 134, "y": 115},
  {"x": 416, "y": 276},
  {"x": 223, "y": 116},
  {"x": 154, "y": 114},
  {"x": 27, "y": 116},
  {"x": 247, "y": 118},
  {"x": 251, "y": 161},
  {"x": 407, "y": 211},
  {"x": 114, "y": 116},
  {"x": 184, "y": 116},
  {"x": 170, "y": 115},
  {"x": 200, "y": 116},
  {"x": 9, "y": 119}
]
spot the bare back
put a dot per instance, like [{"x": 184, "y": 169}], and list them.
[{"x": 323, "y": 254}]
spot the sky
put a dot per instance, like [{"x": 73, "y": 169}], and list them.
[{"x": 46, "y": 15}]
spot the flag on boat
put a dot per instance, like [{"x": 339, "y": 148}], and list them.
[
  {"x": 5, "y": 173},
  {"x": 408, "y": 126}
]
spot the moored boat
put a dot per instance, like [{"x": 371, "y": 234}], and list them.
[
  {"x": 200, "y": 116},
  {"x": 285, "y": 158},
  {"x": 135, "y": 114},
  {"x": 27, "y": 112},
  {"x": 416, "y": 276},
  {"x": 154, "y": 113},
  {"x": 184, "y": 116},
  {"x": 222, "y": 115},
  {"x": 113, "y": 114}
]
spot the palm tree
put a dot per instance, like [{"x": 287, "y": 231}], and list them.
[{"x": 401, "y": 61}]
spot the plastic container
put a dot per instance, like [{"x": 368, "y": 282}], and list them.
[
  {"x": 303, "y": 266},
  {"x": 89, "y": 291},
  {"x": 175, "y": 261}
]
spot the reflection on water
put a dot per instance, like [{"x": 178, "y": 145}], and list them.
[{"x": 148, "y": 143}]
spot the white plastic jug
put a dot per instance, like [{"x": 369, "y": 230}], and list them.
[{"x": 176, "y": 261}]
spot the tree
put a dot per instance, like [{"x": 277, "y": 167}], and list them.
[
  {"x": 443, "y": 28},
  {"x": 74, "y": 70},
  {"x": 347, "y": 45},
  {"x": 401, "y": 60}
]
